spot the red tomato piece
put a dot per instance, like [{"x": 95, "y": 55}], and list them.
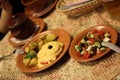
[
  {"x": 78, "y": 54},
  {"x": 79, "y": 43},
  {"x": 86, "y": 55},
  {"x": 99, "y": 36},
  {"x": 93, "y": 31},
  {"x": 44, "y": 62},
  {"x": 99, "y": 52},
  {"x": 100, "y": 32},
  {"x": 102, "y": 37},
  {"x": 92, "y": 40}
]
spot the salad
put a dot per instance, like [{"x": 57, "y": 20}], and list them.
[{"x": 91, "y": 44}]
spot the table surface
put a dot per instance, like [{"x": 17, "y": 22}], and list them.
[{"x": 107, "y": 68}]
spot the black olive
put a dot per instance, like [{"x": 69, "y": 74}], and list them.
[{"x": 50, "y": 47}]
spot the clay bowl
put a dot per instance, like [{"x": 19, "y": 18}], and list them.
[
  {"x": 77, "y": 39},
  {"x": 34, "y": 5},
  {"x": 63, "y": 37}
]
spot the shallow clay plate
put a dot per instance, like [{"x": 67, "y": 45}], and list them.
[
  {"x": 77, "y": 39},
  {"x": 63, "y": 37},
  {"x": 39, "y": 28},
  {"x": 50, "y": 5}
]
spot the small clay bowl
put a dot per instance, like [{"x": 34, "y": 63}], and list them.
[{"x": 34, "y": 5}]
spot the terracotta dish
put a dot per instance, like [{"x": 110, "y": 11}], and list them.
[
  {"x": 50, "y": 4},
  {"x": 63, "y": 37},
  {"x": 76, "y": 40},
  {"x": 33, "y": 6},
  {"x": 39, "y": 26}
]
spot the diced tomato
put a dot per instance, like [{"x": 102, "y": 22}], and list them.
[
  {"x": 44, "y": 62},
  {"x": 102, "y": 37},
  {"x": 99, "y": 36},
  {"x": 86, "y": 55},
  {"x": 92, "y": 40},
  {"x": 99, "y": 52},
  {"x": 78, "y": 43},
  {"x": 78, "y": 54},
  {"x": 100, "y": 32},
  {"x": 93, "y": 31}
]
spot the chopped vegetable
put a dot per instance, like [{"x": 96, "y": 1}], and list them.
[
  {"x": 90, "y": 49},
  {"x": 26, "y": 61},
  {"x": 103, "y": 48},
  {"x": 82, "y": 52},
  {"x": 97, "y": 44},
  {"x": 78, "y": 48},
  {"x": 107, "y": 35},
  {"x": 78, "y": 54},
  {"x": 32, "y": 45},
  {"x": 86, "y": 55},
  {"x": 92, "y": 35},
  {"x": 106, "y": 39},
  {"x": 33, "y": 62},
  {"x": 90, "y": 44},
  {"x": 85, "y": 38}
]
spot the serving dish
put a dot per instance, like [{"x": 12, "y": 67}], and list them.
[
  {"x": 77, "y": 39},
  {"x": 63, "y": 37},
  {"x": 49, "y": 6},
  {"x": 34, "y": 5},
  {"x": 39, "y": 28}
]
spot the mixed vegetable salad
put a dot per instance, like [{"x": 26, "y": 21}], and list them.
[{"x": 91, "y": 44}]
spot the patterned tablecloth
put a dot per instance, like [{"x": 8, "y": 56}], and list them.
[{"x": 107, "y": 68}]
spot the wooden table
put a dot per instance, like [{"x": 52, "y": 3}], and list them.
[{"x": 107, "y": 68}]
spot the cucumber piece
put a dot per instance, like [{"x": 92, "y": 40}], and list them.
[
  {"x": 92, "y": 35},
  {"x": 97, "y": 44},
  {"x": 107, "y": 35},
  {"x": 78, "y": 48},
  {"x": 103, "y": 48}
]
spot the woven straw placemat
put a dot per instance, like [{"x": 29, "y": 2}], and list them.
[{"x": 67, "y": 68}]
